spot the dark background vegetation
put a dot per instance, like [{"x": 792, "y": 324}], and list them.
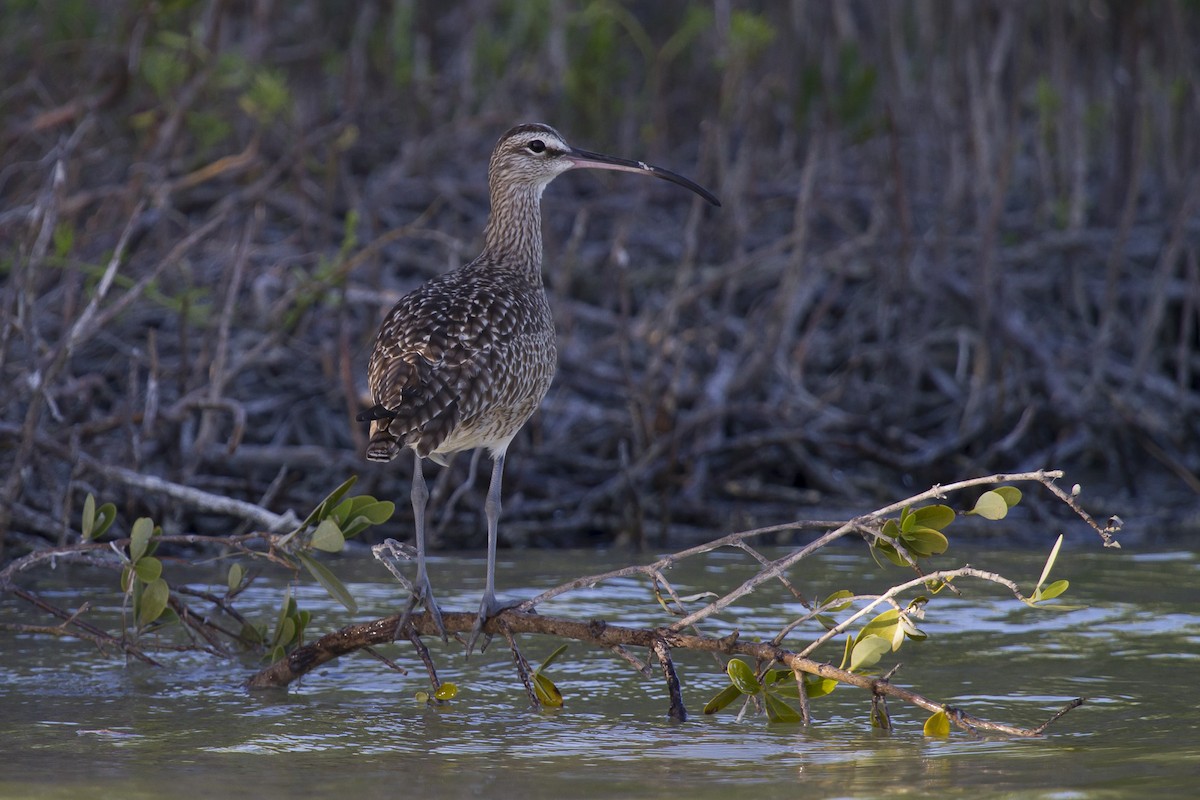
[{"x": 956, "y": 238}]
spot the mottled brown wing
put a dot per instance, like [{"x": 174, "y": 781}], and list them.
[{"x": 437, "y": 359}]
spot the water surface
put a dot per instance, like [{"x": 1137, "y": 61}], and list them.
[{"x": 77, "y": 723}]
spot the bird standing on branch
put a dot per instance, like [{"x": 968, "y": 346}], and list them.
[{"x": 464, "y": 360}]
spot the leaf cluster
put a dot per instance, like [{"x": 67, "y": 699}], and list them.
[{"x": 916, "y": 534}]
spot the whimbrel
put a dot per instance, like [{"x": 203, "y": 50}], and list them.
[{"x": 464, "y": 360}]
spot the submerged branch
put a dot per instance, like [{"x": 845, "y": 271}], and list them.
[{"x": 602, "y": 634}]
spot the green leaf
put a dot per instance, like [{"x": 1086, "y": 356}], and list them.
[
  {"x": 152, "y": 602},
  {"x": 867, "y": 651},
  {"x": 777, "y": 675},
  {"x": 88, "y": 521},
  {"x": 286, "y": 609},
  {"x": 373, "y": 512},
  {"x": 148, "y": 569},
  {"x": 550, "y": 659},
  {"x": 447, "y": 691},
  {"x": 336, "y": 589},
  {"x": 990, "y": 505},
  {"x": 378, "y": 512},
  {"x": 285, "y": 633},
  {"x": 326, "y": 506},
  {"x": 818, "y": 687},
  {"x": 847, "y": 651},
  {"x": 139, "y": 538},
  {"x": 354, "y": 527},
  {"x": 936, "y": 517},
  {"x": 344, "y": 510},
  {"x": 1050, "y": 560},
  {"x": 886, "y": 626},
  {"x": 723, "y": 698},
  {"x": 834, "y": 601},
  {"x": 882, "y": 623},
  {"x": 328, "y": 537},
  {"x": 251, "y": 633},
  {"x": 892, "y": 531},
  {"x": 779, "y": 711},
  {"x": 107, "y": 514},
  {"x": 235, "y": 577},
  {"x": 1050, "y": 592},
  {"x": 1011, "y": 494},
  {"x": 741, "y": 676},
  {"x": 889, "y": 552},
  {"x": 547, "y": 693},
  {"x": 922, "y": 541},
  {"x": 938, "y": 725}
]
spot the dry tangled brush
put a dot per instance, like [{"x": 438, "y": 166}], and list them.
[{"x": 954, "y": 240}]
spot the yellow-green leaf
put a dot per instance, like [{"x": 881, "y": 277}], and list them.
[
  {"x": 1052, "y": 591},
  {"x": 867, "y": 651},
  {"x": 88, "y": 522},
  {"x": 1011, "y": 494},
  {"x": 818, "y": 687},
  {"x": 550, "y": 659},
  {"x": 328, "y": 537},
  {"x": 990, "y": 505},
  {"x": 148, "y": 569},
  {"x": 447, "y": 691},
  {"x": 547, "y": 693},
  {"x": 152, "y": 602},
  {"x": 1050, "y": 560},
  {"x": 882, "y": 623},
  {"x": 938, "y": 725},
  {"x": 235, "y": 577},
  {"x": 838, "y": 601},
  {"x": 741, "y": 676}
]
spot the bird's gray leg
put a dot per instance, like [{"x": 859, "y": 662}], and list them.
[
  {"x": 491, "y": 507},
  {"x": 422, "y": 590}
]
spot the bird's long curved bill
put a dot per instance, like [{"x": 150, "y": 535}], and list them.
[{"x": 582, "y": 158}]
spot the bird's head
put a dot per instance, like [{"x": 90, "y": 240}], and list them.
[{"x": 534, "y": 154}]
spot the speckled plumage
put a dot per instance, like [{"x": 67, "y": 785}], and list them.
[{"x": 464, "y": 360}]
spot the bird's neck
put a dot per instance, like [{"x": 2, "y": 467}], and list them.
[{"x": 513, "y": 235}]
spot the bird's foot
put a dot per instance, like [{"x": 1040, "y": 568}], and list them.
[
  {"x": 488, "y": 608},
  {"x": 422, "y": 594}
]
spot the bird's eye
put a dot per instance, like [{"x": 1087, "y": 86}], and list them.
[{"x": 537, "y": 146}]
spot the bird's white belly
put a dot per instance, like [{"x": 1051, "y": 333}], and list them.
[{"x": 492, "y": 429}]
